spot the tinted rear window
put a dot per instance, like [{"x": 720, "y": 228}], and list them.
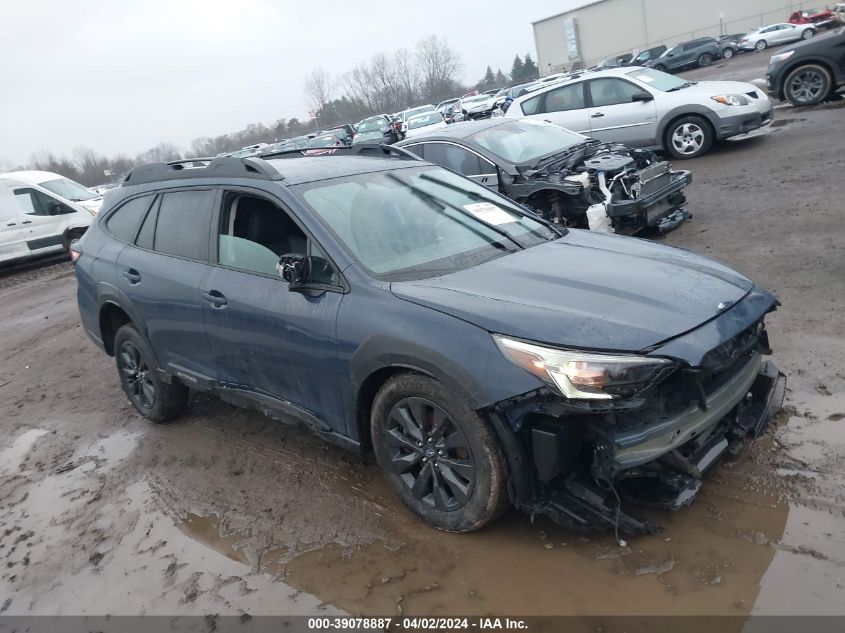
[
  {"x": 184, "y": 221},
  {"x": 124, "y": 222}
]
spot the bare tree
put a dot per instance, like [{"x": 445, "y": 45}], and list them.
[
  {"x": 318, "y": 89},
  {"x": 407, "y": 74},
  {"x": 439, "y": 65}
]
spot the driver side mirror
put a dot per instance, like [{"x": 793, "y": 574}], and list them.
[
  {"x": 294, "y": 269},
  {"x": 642, "y": 96}
]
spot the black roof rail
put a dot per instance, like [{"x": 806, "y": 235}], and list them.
[
  {"x": 362, "y": 149},
  {"x": 223, "y": 167}
]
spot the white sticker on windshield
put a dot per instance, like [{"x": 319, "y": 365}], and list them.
[
  {"x": 644, "y": 78},
  {"x": 489, "y": 213}
]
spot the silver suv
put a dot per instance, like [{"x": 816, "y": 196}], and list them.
[{"x": 644, "y": 107}]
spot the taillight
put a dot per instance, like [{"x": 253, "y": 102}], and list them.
[{"x": 75, "y": 252}]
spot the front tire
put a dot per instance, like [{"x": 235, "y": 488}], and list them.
[
  {"x": 705, "y": 59},
  {"x": 153, "y": 398},
  {"x": 437, "y": 454},
  {"x": 807, "y": 85},
  {"x": 727, "y": 53},
  {"x": 689, "y": 137},
  {"x": 807, "y": 34},
  {"x": 761, "y": 45},
  {"x": 661, "y": 68}
]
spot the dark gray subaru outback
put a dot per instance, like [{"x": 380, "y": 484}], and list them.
[{"x": 486, "y": 356}]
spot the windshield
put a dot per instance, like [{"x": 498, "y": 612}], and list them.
[
  {"x": 372, "y": 125},
  {"x": 657, "y": 79},
  {"x": 419, "y": 110},
  {"x": 527, "y": 140},
  {"x": 424, "y": 120},
  {"x": 68, "y": 189},
  {"x": 323, "y": 141},
  {"x": 476, "y": 99},
  {"x": 420, "y": 221}
]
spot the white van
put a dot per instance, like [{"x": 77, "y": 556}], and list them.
[
  {"x": 36, "y": 222},
  {"x": 68, "y": 191}
]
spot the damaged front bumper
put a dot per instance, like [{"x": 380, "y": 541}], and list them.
[
  {"x": 659, "y": 206},
  {"x": 586, "y": 463},
  {"x": 663, "y": 465}
]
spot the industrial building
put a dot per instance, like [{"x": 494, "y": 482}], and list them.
[{"x": 596, "y": 30}]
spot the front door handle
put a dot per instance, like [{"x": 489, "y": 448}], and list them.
[
  {"x": 597, "y": 115},
  {"x": 132, "y": 275},
  {"x": 11, "y": 224},
  {"x": 215, "y": 298}
]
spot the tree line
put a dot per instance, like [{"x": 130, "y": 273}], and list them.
[{"x": 384, "y": 84}]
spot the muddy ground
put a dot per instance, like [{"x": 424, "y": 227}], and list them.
[{"x": 225, "y": 511}]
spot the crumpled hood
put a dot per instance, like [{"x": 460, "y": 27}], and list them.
[{"x": 586, "y": 290}]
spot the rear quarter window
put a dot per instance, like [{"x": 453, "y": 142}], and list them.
[
  {"x": 124, "y": 222},
  {"x": 184, "y": 224}
]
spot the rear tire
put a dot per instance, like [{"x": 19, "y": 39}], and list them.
[
  {"x": 661, "y": 68},
  {"x": 689, "y": 137},
  {"x": 437, "y": 454},
  {"x": 807, "y": 85},
  {"x": 155, "y": 399}
]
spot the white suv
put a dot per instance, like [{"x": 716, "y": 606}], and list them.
[
  {"x": 644, "y": 107},
  {"x": 34, "y": 221}
]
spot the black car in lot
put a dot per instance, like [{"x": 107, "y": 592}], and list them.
[
  {"x": 562, "y": 175},
  {"x": 699, "y": 52},
  {"x": 808, "y": 72},
  {"x": 376, "y": 129},
  {"x": 485, "y": 356}
]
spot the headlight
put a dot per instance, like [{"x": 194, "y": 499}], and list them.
[
  {"x": 582, "y": 375},
  {"x": 732, "y": 100},
  {"x": 781, "y": 57}
]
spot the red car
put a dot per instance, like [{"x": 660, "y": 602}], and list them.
[{"x": 820, "y": 19}]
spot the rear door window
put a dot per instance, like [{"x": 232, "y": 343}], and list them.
[
  {"x": 457, "y": 159},
  {"x": 124, "y": 222},
  {"x": 184, "y": 223},
  {"x": 565, "y": 98}
]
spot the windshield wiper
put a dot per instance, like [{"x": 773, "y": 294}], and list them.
[
  {"x": 686, "y": 84},
  {"x": 478, "y": 196}
]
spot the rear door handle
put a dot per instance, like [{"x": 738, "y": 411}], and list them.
[
  {"x": 597, "y": 115},
  {"x": 215, "y": 298},
  {"x": 132, "y": 275},
  {"x": 27, "y": 222}
]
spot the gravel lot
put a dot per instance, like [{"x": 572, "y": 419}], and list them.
[{"x": 225, "y": 511}]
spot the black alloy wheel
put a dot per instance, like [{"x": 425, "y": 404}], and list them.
[
  {"x": 430, "y": 453},
  {"x": 136, "y": 376}
]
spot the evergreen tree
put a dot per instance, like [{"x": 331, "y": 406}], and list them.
[
  {"x": 516, "y": 69},
  {"x": 501, "y": 78},
  {"x": 489, "y": 80},
  {"x": 529, "y": 68}
]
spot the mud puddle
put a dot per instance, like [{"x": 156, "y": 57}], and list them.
[{"x": 75, "y": 538}]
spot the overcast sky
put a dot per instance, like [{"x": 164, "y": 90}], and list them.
[{"x": 123, "y": 76}]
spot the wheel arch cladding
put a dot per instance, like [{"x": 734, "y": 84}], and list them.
[
  {"x": 112, "y": 318},
  {"x": 683, "y": 111}
]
